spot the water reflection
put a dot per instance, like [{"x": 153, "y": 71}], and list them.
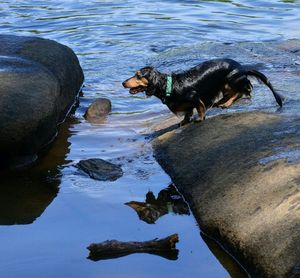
[
  {"x": 23, "y": 199},
  {"x": 169, "y": 255},
  {"x": 229, "y": 263},
  {"x": 24, "y": 195},
  {"x": 168, "y": 201}
]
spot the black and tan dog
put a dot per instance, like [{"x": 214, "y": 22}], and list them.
[{"x": 214, "y": 83}]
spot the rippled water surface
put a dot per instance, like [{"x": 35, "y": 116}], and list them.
[{"x": 50, "y": 214}]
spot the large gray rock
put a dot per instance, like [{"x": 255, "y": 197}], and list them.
[
  {"x": 240, "y": 173},
  {"x": 40, "y": 80}
]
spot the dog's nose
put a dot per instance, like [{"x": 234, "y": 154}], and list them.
[{"x": 124, "y": 84}]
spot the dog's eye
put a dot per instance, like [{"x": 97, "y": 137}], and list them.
[{"x": 138, "y": 75}]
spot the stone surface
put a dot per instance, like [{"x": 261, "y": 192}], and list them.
[
  {"x": 40, "y": 80},
  {"x": 98, "y": 110},
  {"x": 100, "y": 169},
  {"x": 240, "y": 173}
]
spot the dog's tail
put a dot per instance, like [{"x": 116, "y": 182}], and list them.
[
  {"x": 266, "y": 81},
  {"x": 238, "y": 73}
]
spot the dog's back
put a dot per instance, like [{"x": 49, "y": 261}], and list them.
[{"x": 206, "y": 80}]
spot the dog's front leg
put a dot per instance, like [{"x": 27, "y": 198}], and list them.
[{"x": 187, "y": 118}]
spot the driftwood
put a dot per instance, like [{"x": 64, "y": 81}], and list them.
[{"x": 111, "y": 249}]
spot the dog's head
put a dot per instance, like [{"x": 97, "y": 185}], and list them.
[{"x": 144, "y": 80}]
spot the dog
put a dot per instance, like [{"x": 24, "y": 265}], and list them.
[{"x": 214, "y": 83}]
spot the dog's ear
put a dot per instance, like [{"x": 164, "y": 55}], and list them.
[
  {"x": 152, "y": 75},
  {"x": 147, "y": 72},
  {"x": 155, "y": 82}
]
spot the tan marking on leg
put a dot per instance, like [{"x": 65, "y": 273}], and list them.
[
  {"x": 201, "y": 110},
  {"x": 229, "y": 102},
  {"x": 222, "y": 101}
]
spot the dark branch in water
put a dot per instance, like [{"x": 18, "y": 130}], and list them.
[{"x": 111, "y": 249}]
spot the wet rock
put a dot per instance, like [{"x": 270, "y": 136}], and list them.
[
  {"x": 240, "y": 173},
  {"x": 98, "y": 110},
  {"x": 100, "y": 169},
  {"x": 40, "y": 80}
]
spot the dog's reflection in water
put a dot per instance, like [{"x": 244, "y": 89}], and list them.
[{"x": 168, "y": 201}]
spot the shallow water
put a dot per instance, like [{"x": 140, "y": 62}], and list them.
[{"x": 50, "y": 214}]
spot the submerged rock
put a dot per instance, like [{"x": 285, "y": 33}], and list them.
[
  {"x": 100, "y": 169},
  {"x": 98, "y": 110},
  {"x": 40, "y": 80},
  {"x": 246, "y": 202}
]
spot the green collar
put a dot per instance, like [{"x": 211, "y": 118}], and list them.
[{"x": 169, "y": 86}]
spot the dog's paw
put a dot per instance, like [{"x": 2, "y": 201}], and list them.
[
  {"x": 197, "y": 121},
  {"x": 183, "y": 123}
]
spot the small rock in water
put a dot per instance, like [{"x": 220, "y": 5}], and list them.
[
  {"x": 100, "y": 169},
  {"x": 98, "y": 110}
]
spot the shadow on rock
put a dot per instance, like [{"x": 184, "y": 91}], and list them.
[{"x": 168, "y": 201}]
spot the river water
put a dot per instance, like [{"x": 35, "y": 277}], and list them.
[{"x": 51, "y": 213}]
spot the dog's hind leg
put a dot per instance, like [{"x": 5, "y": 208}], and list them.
[
  {"x": 223, "y": 100},
  {"x": 201, "y": 109},
  {"x": 230, "y": 101}
]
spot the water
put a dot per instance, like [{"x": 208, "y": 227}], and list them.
[{"x": 50, "y": 214}]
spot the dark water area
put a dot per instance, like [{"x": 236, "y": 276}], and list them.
[{"x": 50, "y": 213}]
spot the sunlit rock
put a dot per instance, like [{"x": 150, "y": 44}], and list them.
[{"x": 240, "y": 173}]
